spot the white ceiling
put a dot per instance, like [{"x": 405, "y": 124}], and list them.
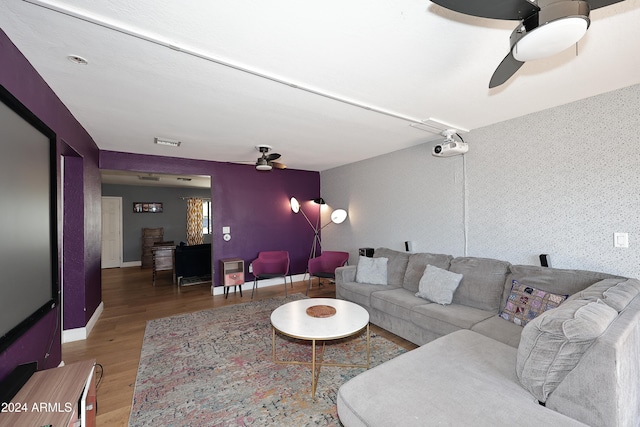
[{"x": 226, "y": 84}]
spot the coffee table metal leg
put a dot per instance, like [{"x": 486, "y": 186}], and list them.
[
  {"x": 273, "y": 344},
  {"x": 368, "y": 347},
  {"x": 316, "y": 365},
  {"x": 313, "y": 368}
]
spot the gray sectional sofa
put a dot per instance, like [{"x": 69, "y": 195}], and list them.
[{"x": 576, "y": 364}]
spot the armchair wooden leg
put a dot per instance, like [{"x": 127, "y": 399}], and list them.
[{"x": 255, "y": 284}]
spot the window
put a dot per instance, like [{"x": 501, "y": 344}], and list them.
[{"x": 206, "y": 217}]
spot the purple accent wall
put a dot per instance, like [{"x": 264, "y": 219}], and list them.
[
  {"x": 23, "y": 81},
  {"x": 254, "y": 204},
  {"x": 73, "y": 247}
]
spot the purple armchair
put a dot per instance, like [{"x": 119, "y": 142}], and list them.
[
  {"x": 271, "y": 264},
  {"x": 324, "y": 266}
]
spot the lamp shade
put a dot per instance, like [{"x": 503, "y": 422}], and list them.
[
  {"x": 338, "y": 216},
  {"x": 295, "y": 205}
]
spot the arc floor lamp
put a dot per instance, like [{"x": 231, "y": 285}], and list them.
[{"x": 337, "y": 217}]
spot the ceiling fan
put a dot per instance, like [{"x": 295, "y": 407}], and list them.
[
  {"x": 546, "y": 27},
  {"x": 266, "y": 162}
]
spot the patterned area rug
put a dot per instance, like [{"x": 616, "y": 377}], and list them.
[{"x": 215, "y": 368}]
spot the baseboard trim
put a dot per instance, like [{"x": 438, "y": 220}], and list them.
[
  {"x": 219, "y": 290},
  {"x": 131, "y": 264},
  {"x": 79, "y": 334}
]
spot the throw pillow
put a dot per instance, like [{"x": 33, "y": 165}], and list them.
[
  {"x": 620, "y": 295},
  {"x": 554, "y": 343},
  {"x": 438, "y": 285},
  {"x": 396, "y": 264},
  {"x": 525, "y": 303},
  {"x": 615, "y": 292},
  {"x": 372, "y": 270}
]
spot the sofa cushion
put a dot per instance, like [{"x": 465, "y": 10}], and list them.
[
  {"x": 463, "y": 379},
  {"x": 372, "y": 270},
  {"x": 444, "y": 319},
  {"x": 525, "y": 303},
  {"x": 556, "y": 280},
  {"x": 438, "y": 285},
  {"x": 396, "y": 266},
  {"x": 418, "y": 263},
  {"x": 616, "y": 293},
  {"x": 552, "y": 344},
  {"x": 360, "y": 293},
  {"x": 500, "y": 330},
  {"x": 483, "y": 282},
  {"x": 396, "y": 302}
]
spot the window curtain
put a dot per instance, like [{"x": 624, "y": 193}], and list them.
[{"x": 194, "y": 222}]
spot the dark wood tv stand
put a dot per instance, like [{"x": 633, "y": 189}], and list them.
[{"x": 55, "y": 397}]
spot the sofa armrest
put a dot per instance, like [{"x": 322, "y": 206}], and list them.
[{"x": 345, "y": 274}]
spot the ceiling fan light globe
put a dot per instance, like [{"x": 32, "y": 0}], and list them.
[
  {"x": 263, "y": 165},
  {"x": 550, "y": 38}
]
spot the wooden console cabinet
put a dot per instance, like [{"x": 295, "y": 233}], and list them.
[
  {"x": 150, "y": 236},
  {"x": 64, "y": 396}
]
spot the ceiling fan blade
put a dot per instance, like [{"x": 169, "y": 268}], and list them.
[
  {"x": 495, "y": 9},
  {"x": 505, "y": 70},
  {"x": 273, "y": 156},
  {"x": 596, "y": 4},
  {"x": 278, "y": 165}
]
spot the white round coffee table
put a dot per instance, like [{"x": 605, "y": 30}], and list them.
[{"x": 319, "y": 319}]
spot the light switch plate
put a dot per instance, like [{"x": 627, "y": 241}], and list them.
[
  {"x": 620, "y": 240},
  {"x": 226, "y": 230}
]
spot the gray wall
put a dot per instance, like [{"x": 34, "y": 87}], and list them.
[
  {"x": 560, "y": 181},
  {"x": 173, "y": 218}
]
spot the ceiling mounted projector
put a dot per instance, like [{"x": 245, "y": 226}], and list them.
[{"x": 450, "y": 147}]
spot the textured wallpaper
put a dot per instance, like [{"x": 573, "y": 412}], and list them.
[
  {"x": 405, "y": 195},
  {"x": 560, "y": 181}
]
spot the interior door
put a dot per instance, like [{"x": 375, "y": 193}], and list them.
[{"x": 111, "y": 232}]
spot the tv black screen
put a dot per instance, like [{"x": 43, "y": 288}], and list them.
[{"x": 28, "y": 220}]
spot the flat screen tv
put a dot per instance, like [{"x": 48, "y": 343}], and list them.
[{"x": 28, "y": 220}]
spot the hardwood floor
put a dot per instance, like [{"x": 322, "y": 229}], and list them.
[{"x": 129, "y": 301}]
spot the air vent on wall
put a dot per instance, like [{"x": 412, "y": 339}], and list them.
[{"x": 165, "y": 141}]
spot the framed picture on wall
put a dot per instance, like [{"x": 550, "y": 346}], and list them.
[{"x": 147, "y": 207}]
